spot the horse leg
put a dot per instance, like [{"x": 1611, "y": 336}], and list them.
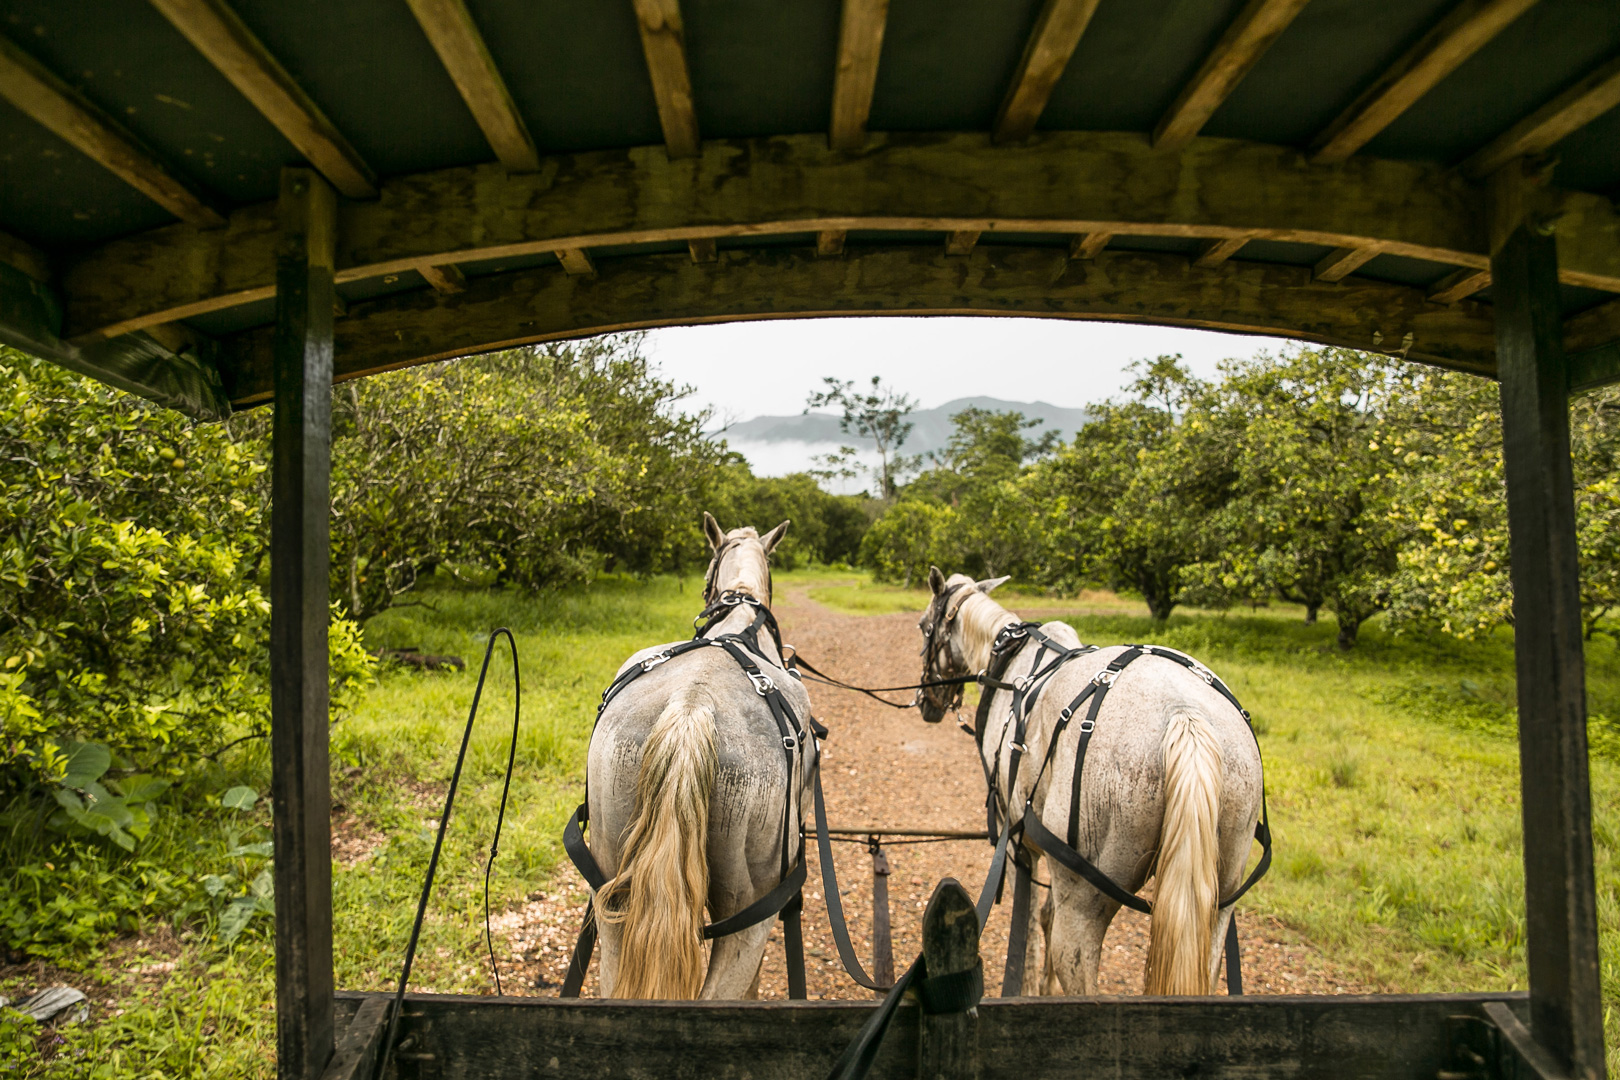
[
  {"x": 1034, "y": 940},
  {"x": 1217, "y": 945},
  {"x": 1049, "y": 984},
  {"x": 608, "y": 936},
  {"x": 734, "y": 964},
  {"x": 1080, "y": 919}
]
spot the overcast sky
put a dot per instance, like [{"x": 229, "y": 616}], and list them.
[{"x": 768, "y": 368}]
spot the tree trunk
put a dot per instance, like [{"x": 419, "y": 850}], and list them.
[
  {"x": 1310, "y": 614},
  {"x": 1349, "y": 627}
]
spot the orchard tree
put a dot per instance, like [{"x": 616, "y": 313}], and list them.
[
  {"x": 878, "y": 415},
  {"x": 1302, "y": 438},
  {"x": 985, "y": 448}
]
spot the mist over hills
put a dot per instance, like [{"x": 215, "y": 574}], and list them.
[{"x": 931, "y": 431}]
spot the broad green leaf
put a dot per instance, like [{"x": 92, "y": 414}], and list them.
[
  {"x": 263, "y": 850},
  {"x": 86, "y": 762},
  {"x": 239, "y": 798}
]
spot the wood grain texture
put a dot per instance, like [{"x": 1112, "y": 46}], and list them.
[
  {"x": 443, "y": 279},
  {"x": 355, "y": 1057},
  {"x": 1216, "y": 252},
  {"x": 702, "y": 249},
  {"x": 860, "y": 44},
  {"x": 1395, "y": 1037},
  {"x": 1561, "y": 935},
  {"x": 663, "y": 41},
  {"x": 948, "y": 1041},
  {"x": 1052, "y": 42},
  {"x": 1561, "y": 117},
  {"x": 1458, "y": 285},
  {"x": 1593, "y": 327},
  {"x": 224, "y": 39},
  {"x": 1062, "y": 182},
  {"x": 576, "y": 261},
  {"x": 961, "y": 241},
  {"x": 1260, "y": 23},
  {"x": 659, "y": 290},
  {"x": 830, "y": 242},
  {"x": 1341, "y": 262},
  {"x": 1088, "y": 245},
  {"x": 71, "y": 117},
  {"x": 21, "y": 255},
  {"x": 300, "y": 563},
  {"x": 455, "y": 37},
  {"x": 1456, "y": 37}
]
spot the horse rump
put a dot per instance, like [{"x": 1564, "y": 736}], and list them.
[{"x": 662, "y": 886}]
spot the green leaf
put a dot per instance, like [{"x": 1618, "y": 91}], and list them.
[
  {"x": 239, "y": 798},
  {"x": 263, "y": 850},
  {"x": 213, "y": 884},
  {"x": 86, "y": 762},
  {"x": 234, "y": 919},
  {"x": 142, "y": 788}
]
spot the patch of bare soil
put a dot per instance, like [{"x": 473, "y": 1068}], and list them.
[{"x": 886, "y": 768}]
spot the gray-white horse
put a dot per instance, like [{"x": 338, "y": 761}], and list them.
[
  {"x": 688, "y": 787},
  {"x": 1171, "y": 789}
]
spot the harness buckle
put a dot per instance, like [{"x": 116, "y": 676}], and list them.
[
  {"x": 1105, "y": 677},
  {"x": 789, "y": 743},
  {"x": 762, "y": 682},
  {"x": 653, "y": 661},
  {"x": 1018, "y": 746},
  {"x": 1023, "y": 682},
  {"x": 1203, "y": 673},
  {"x": 1087, "y": 726}
]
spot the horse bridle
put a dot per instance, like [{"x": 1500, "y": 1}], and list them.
[
  {"x": 942, "y": 610},
  {"x": 711, "y": 578}
]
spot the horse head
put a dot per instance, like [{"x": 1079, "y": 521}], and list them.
[
  {"x": 947, "y": 653},
  {"x": 741, "y": 560}
]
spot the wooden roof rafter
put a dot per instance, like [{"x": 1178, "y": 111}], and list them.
[
  {"x": 1057, "y": 33},
  {"x": 1464, "y": 30},
  {"x": 860, "y": 44},
  {"x": 1245, "y": 41},
  {"x": 454, "y": 35},
  {"x": 1571, "y": 110},
  {"x": 225, "y": 40},
  {"x": 69, "y": 115},
  {"x": 663, "y": 41}
]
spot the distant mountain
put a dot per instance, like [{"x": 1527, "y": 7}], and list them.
[{"x": 932, "y": 430}]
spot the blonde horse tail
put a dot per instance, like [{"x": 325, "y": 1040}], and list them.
[
  {"x": 662, "y": 886},
  {"x": 1185, "y": 902}
]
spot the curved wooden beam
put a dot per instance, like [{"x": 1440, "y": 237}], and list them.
[
  {"x": 661, "y": 290},
  {"x": 1071, "y": 183}
]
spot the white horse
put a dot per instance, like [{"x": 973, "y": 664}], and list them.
[
  {"x": 688, "y": 785},
  {"x": 1171, "y": 789}
]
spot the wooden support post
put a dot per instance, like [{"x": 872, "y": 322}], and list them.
[
  {"x": 301, "y": 433},
  {"x": 1089, "y": 245},
  {"x": 703, "y": 249},
  {"x": 961, "y": 242},
  {"x": 830, "y": 242},
  {"x": 1566, "y": 1008},
  {"x": 948, "y": 1034},
  {"x": 882, "y": 941}
]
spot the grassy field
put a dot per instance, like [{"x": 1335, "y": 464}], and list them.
[{"x": 1391, "y": 773}]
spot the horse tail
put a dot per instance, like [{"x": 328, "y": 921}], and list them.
[
  {"x": 662, "y": 886},
  {"x": 1188, "y": 894}
]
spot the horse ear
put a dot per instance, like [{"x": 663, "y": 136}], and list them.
[
  {"x": 936, "y": 580},
  {"x": 712, "y": 529},
  {"x": 990, "y": 583},
  {"x": 774, "y": 537}
]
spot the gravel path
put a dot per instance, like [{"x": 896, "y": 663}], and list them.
[{"x": 884, "y": 767}]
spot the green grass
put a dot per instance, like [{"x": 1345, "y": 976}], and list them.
[{"x": 1391, "y": 774}]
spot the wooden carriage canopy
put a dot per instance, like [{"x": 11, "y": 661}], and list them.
[{"x": 215, "y": 205}]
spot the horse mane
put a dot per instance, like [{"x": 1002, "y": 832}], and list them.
[{"x": 980, "y": 619}]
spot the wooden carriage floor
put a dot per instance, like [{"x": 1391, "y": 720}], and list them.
[{"x": 888, "y": 768}]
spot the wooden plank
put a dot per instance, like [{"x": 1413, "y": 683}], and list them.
[
  {"x": 1051, "y": 44},
  {"x": 71, "y": 117},
  {"x": 961, "y": 241},
  {"x": 355, "y": 1057},
  {"x": 662, "y": 290},
  {"x": 576, "y": 261},
  {"x": 25, "y": 257},
  {"x": 860, "y": 44},
  {"x": 703, "y": 249},
  {"x": 1216, "y": 252},
  {"x": 1260, "y": 23},
  {"x": 663, "y": 40},
  {"x": 1533, "y": 1059},
  {"x": 1065, "y": 182},
  {"x": 1089, "y": 245},
  {"x": 948, "y": 1035},
  {"x": 224, "y": 39},
  {"x": 301, "y": 447},
  {"x": 1464, "y": 31},
  {"x": 1592, "y": 340},
  {"x": 443, "y": 279},
  {"x": 174, "y": 370},
  {"x": 1394, "y": 1037},
  {"x": 1458, "y": 285},
  {"x": 1561, "y": 117},
  {"x": 1566, "y": 1007},
  {"x": 1341, "y": 262},
  {"x": 455, "y": 37},
  {"x": 830, "y": 242}
]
